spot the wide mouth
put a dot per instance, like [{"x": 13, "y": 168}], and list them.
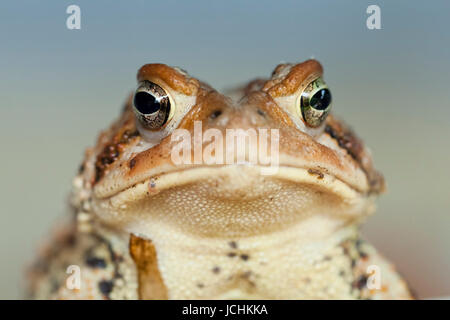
[
  {"x": 184, "y": 176},
  {"x": 231, "y": 200},
  {"x": 347, "y": 181}
]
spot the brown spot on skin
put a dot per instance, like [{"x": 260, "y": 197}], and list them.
[
  {"x": 112, "y": 151},
  {"x": 132, "y": 163},
  {"x": 245, "y": 257},
  {"x": 105, "y": 287},
  {"x": 360, "y": 282},
  {"x": 200, "y": 285},
  {"x": 151, "y": 284},
  {"x": 216, "y": 270},
  {"x": 359, "y": 247},
  {"x": 70, "y": 240},
  {"x": 95, "y": 262},
  {"x": 231, "y": 254},
  {"x": 81, "y": 168},
  {"x": 316, "y": 172},
  {"x": 247, "y": 277},
  {"x": 233, "y": 244},
  {"x": 108, "y": 156}
]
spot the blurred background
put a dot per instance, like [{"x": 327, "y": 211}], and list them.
[{"x": 59, "y": 87}]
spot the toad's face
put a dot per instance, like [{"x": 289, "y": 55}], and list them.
[{"x": 321, "y": 169}]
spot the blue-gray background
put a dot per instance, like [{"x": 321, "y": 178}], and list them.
[{"x": 58, "y": 87}]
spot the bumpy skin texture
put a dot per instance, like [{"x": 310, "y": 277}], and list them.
[{"x": 145, "y": 227}]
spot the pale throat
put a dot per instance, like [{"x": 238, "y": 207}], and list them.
[{"x": 199, "y": 267}]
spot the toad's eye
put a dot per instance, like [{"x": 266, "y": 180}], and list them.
[
  {"x": 315, "y": 103},
  {"x": 151, "y": 105}
]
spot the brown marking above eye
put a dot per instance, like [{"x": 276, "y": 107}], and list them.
[
  {"x": 175, "y": 79},
  {"x": 300, "y": 73}
]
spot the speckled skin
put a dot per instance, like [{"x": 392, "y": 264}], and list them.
[{"x": 146, "y": 228}]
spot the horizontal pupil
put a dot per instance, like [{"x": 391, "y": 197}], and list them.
[
  {"x": 146, "y": 103},
  {"x": 321, "y": 99}
]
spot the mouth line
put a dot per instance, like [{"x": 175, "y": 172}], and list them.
[{"x": 303, "y": 175}]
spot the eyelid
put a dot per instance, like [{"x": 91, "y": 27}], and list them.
[
  {"x": 172, "y": 78},
  {"x": 292, "y": 78}
]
